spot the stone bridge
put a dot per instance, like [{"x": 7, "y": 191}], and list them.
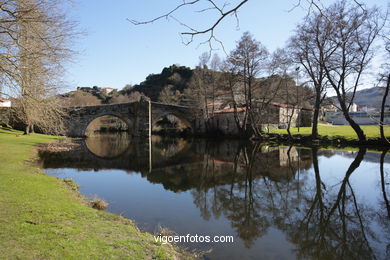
[{"x": 139, "y": 116}]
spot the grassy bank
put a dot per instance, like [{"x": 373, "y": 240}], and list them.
[
  {"x": 335, "y": 131},
  {"x": 42, "y": 218}
]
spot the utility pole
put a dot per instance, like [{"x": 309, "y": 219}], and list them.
[
  {"x": 150, "y": 134},
  {"x": 298, "y": 109}
]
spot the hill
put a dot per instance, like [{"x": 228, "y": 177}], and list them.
[
  {"x": 175, "y": 76},
  {"x": 171, "y": 84},
  {"x": 371, "y": 97}
]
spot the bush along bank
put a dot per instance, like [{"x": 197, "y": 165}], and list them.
[{"x": 307, "y": 140}]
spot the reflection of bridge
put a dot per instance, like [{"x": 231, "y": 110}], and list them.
[
  {"x": 135, "y": 157},
  {"x": 179, "y": 164},
  {"x": 137, "y": 115}
]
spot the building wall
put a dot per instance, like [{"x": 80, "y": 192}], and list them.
[
  {"x": 221, "y": 122},
  {"x": 4, "y": 116},
  {"x": 361, "y": 118},
  {"x": 285, "y": 114},
  {"x": 269, "y": 117},
  {"x": 306, "y": 118},
  {"x": 6, "y": 103}
]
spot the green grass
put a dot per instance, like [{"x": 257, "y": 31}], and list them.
[
  {"x": 331, "y": 131},
  {"x": 42, "y": 218}
]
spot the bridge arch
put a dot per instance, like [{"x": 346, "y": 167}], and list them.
[
  {"x": 107, "y": 117},
  {"x": 172, "y": 121},
  {"x": 79, "y": 127}
]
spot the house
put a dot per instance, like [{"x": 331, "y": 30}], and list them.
[
  {"x": 368, "y": 109},
  {"x": 267, "y": 116},
  {"x": 353, "y": 108},
  {"x": 107, "y": 90},
  {"x": 5, "y": 102},
  {"x": 361, "y": 118}
]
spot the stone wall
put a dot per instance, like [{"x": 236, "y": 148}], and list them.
[
  {"x": 268, "y": 117},
  {"x": 5, "y": 116}
]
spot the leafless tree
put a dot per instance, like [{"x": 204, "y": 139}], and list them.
[
  {"x": 200, "y": 90},
  {"x": 36, "y": 36},
  {"x": 215, "y": 65},
  {"x": 80, "y": 98},
  {"x": 134, "y": 96},
  {"x": 310, "y": 48},
  {"x": 353, "y": 32},
  {"x": 169, "y": 96},
  {"x": 384, "y": 77},
  {"x": 223, "y": 11},
  {"x": 249, "y": 59},
  {"x": 219, "y": 12},
  {"x": 282, "y": 64}
]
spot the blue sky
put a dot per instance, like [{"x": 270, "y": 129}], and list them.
[{"x": 115, "y": 52}]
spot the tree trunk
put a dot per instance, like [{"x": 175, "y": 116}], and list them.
[
  {"x": 289, "y": 122},
  {"x": 27, "y": 130},
  {"x": 381, "y": 124},
  {"x": 359, "y": 132},
  {"x": 355, "y": 126},
  {"x": 314, "y": 130}
]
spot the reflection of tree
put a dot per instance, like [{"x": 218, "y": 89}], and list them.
[
  {"x": 324, "y": 221},
  {"x": 384, "y": 215},
  {"x": 383, "y": 183},
  {"x": 237, "y": 199},
  {"x": 168, "y": 147},
  {"x": 334, "y": 226},
  {"x": 240, "y": 206},
  {"x": 251, "y": 201},
  {"x": 255, "y": 187}
]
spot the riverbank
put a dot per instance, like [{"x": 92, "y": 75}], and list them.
[
  {"x": 41, "y": 217},
  {"x": 329, "y": 135}
]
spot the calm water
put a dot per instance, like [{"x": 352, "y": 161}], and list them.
[{"x": 277, "y": 202}]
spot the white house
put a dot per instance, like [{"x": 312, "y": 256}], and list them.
[
  {"x": 5, "y": 102},
  {"x": 108, "y": 90},
  {"x": 354, "y": 108}
]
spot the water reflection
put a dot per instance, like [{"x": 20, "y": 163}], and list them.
[
  {"x": 108, "y": 145},
  {"x": 279, "y": 202}
]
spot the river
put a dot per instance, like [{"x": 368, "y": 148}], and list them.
[{"x": 276, "y": 202}]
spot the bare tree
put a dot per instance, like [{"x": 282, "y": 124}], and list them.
[
  {"x": 219, "y": 12},
  {"x": 223, "y": 10},
  {"x": 249, "y": 59},
  {"x": 37, "y": 35},
  {"x": 214, "y": 74},
  {"x": 134, "y": 96},
  {"x": 80, "y": 98},
  {"x": 169, "y": 96},
  {"x": 200, "y": 90},
  {"x": 385, "y": 77},
  {"x": 353, "y": 32},
  {"x": 281, "y": 64},
  {"x": 310, "y": 48}
]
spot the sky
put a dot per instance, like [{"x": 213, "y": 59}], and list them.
[{"x": 114, "y": 52}]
